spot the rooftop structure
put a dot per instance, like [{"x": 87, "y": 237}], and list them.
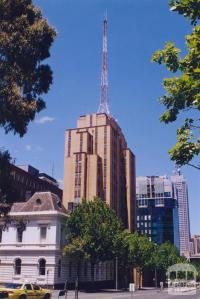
[{"x": 104, "y": 106}]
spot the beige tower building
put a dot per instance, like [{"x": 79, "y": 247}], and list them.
[{"x": 98, "y": 163}]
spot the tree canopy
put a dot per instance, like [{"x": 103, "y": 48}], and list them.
[
  {"x": 95, "y": 225},
  {"x": 91, "y": 231},
  {"x": 7, "y": 194},
  {"x": 183, "y": 91},
  {"x": 166, "y": 255},
  {"x": 188, "y": 8},
  {"x": 95, "y": 234},
  {"x": 134, "y": 250},
  {"x": 25, "y": 40}
]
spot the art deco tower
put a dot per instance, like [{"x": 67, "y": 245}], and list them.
[{"x": 97, "y": 161}]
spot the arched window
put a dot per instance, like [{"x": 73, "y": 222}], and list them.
[
  {"x": 42, "y": 267},
  {"x": 59, "y": 268},
  {"x": 18, "y": 266}
]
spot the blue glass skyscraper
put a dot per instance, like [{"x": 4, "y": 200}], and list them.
[{"x": 157, "y": 209}]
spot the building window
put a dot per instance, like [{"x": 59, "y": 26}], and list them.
[
  {"x": 19, "y": 235},
  {"x": 90, "y": 120},
  {"x": 36, "y": 287},
  {"x": 42, "y": 267},
  {"x": 18, "y": 265},
  {"x": 1, "y": 230},
  {"x": 69, "y": 143},
  {"x": 159, "y": 202},
  {"x": 59, "y": 268},
  {"x": 142, "y": 203},
  {"x": 43, "y": 233},
  {"x": 81, "y": 142}
]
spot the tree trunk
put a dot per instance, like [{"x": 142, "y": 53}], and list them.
[{"x": 140, "y": 277}]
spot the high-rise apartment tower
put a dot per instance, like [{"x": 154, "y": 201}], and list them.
[{"x": 97, "y": 161}]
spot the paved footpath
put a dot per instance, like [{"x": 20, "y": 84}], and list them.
[{"x": 143, "y": 294}]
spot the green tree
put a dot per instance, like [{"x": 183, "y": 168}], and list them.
[
  {"x": 134, "y": 251},
  {"x": 166, "y": 255},
  {"x": 75, "y": 251},
  {"x": 183, "y": 91},
  {"x": 25, "y": 40},
  {"x": 140, "y": 251},
  {"x": 188, "y": 8},
  {"x": 91, "y": 230},
  {"x": 7, "y": 193}
]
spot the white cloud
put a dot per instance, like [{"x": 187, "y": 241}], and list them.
[
  {"x": 45, "y": 119},
  {"x": 28, "y": 147}
]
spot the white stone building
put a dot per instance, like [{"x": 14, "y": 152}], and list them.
[{"x": 31, "y": 245}]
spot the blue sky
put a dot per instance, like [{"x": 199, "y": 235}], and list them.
[{"x": 136, "y": 29}]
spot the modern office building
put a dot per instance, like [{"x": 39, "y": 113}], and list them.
[
  {"x": 181, "y": 195},
  {"x": 156, "y": 209},
  {"x": 97, "y": 161}
]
